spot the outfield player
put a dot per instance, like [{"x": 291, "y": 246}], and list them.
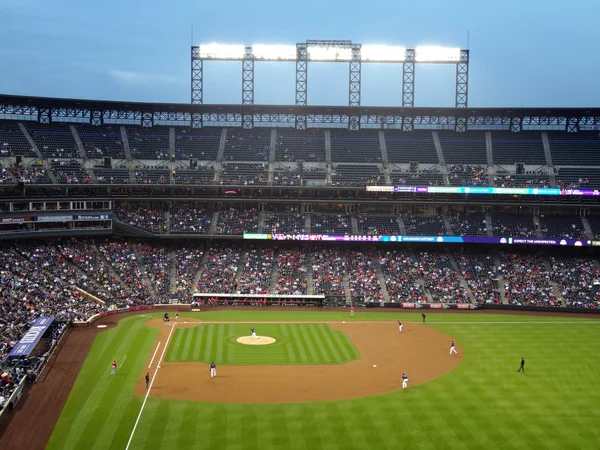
[
  {"x": 424, "y": 317},
  {"x": 522, "y": 366},
  {"x": 113, "y": 369},
  {"x": 351, "y": 310},
  {"x": 176, "y": 316},
  {"x": 253, "y": 333},
  {"x": 453, "y": 348},
  {"x": 404, "y": 381},
  {"x": 147, "y": 380},
  {"x": 400, "y": 326},
  {"x": 213, "y": 370}
]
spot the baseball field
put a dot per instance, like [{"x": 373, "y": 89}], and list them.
[{"x": 326, "y": 380}]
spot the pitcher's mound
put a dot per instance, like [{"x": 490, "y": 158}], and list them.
[{"x": 259, "y": 340}]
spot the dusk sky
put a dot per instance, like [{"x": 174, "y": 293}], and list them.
[{"x": 523, "y": 53}]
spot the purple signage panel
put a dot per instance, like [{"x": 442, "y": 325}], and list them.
[{"x": 32, "y": 337}]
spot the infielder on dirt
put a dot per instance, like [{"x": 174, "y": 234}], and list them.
[
  {"x": 253, "y": 333},
  {"x": 400, "y": 326},
  {"x": 404, "y": 381},
  {"x": 453, "y": 348},
  {"x": 213, "y": 370}
]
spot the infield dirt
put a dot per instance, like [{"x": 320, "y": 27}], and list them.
[{"x": 419, "y": 351}]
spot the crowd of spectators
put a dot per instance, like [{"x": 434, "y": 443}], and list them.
[
  {"x": 441, "y": 280},
  {"x": 220, "y": 270},
  {"x": 402, "y": 277},
  {"x": 521, "y": 181},
  {"x": 291, "y": 272},
  {"x": 257, "y": 271},
  {"x": 480, "y": 273},
  {"x": 233, "y": 221},
  {"x": 328, "y": 269},
  {"x": 526, "y": 280},
  {"x": 468, "y": 224},
  {"x": 468, "y": 175},
  {"x": 156, "y": 260},
  {"x": 417, "y": 225},
  {"x": 187, "y": 260},
  {"x": 5, "y": 176},
  {"x": 291, "y": 223},
  {"x": 187, "y": 219},
  {"x": 32, "y": 175},
  {"x": 578, "y": 280},
  {"x": 151, "y": 219},
  {"x": 363, "y": 278}
]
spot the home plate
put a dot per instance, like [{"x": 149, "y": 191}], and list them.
[{"x": 374, "y": 365}]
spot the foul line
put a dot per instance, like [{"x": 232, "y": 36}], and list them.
[
  {"x": 152, "y": 360},
  {"x": 150, "y": 387},
  {"x": 432, "y": 322},
  {"x": 123, "y": 362}
]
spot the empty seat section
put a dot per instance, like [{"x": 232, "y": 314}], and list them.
[
  {"x": 355, "y": 146},
  {"x": 463, "y": 148},
  {"x": 112, "y": 176},
  {"x": 330, "y": 224},
  {"x": 202, "y": 144},
  {"x": 468, "y": 224},
  {"x": 525, "y": 147},
  {"x": 99, "y": 142},
  {"x": 201, "y": 175},
  {"x": 13, "y": 142},
  {"x": 404, "y": 147},
  {"x": 527, "y": 180},
  {"x": 152, "y": 176},
  {"x": 247, "y": 145},
  {"x": 425, "y": 177},
  {"x": 581, "y": 149},
  {"x": 243, "y": 174},
  {"x": 513, "y": 225},
  {"x": 53, "y": 141},
  {"x": 424, "y": 225},
  {"x": 570, "y": 178},
  {"x": 70, "y": 171},
  {"x": 149, "y": 143},
  {"x": 377, "y": 224},
  {"x": 563, "y": 226},
  {"x": 292, "y": 145},
  {"x": 349, "y": 175}
]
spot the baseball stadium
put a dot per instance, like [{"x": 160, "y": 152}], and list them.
[{"x": 291, "y": 275}]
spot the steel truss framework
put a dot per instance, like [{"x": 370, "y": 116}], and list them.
[
  {"x": 47, "y": 110},
  {"x": 354, "y": 81}
]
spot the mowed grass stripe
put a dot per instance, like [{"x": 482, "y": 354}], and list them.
[{"x": 295, "y": 344}]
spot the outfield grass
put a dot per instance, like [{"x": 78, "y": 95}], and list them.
[
  {"x": 300, "y": 343},
  {"x": 484, "y": 403}
]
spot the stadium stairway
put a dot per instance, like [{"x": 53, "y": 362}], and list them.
[
  {"x": 328, "y": 152},
  {"x": 79, "y": 145},
  {"x": 448, "y": 226},
  {"x": 172, "y": 145},
  {"x": 200, "y": 266},
  {"x": 213, "y": 223},
  {"x": 536, "y": 225},
  {"x": 307, "y": 223},
  {"x": 111, "y": 270},
  {"x": 261, "y": 222},
  {"x": 167, "y": 224},
  {"x": 272, "y": 151},
  {"x": 173, "y": 271},
  {"x": 32, "y": 144},
  {"x": 310, "y": 288},
  {"x": 384, "y": 155},
  {"x": 346, "y": 281},
  {"x": 501, "y": 285},
  {"x": 547, "y": 153},
  {"x": 489, "y": 225},
  {"x": 144, "y": 273},
  {"x": 401, "y": 225},
  {"x": 488, "y": 149},
  {"x": 91, "y": 174},
  {"x": 275, "y": 275},
  {"x": 241, "y": 265},
  {"x": 440, "y": 154},
  {"x": 127, "y": 149},
  {"x": 461, "y": 278},
  {"x": 413, "y": 256},
  {"x": 381, "y": 278},
  {"x": 555, "y": 288},
  {"x": 354, "y": 224},
  {"x": 222, "y": 145},
  {"x": 587, "y": 228}
]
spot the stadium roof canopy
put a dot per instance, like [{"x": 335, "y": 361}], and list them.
[{"x": 98, "y": 112}]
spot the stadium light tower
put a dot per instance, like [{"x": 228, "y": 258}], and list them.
[{"x": 328, "y": 51}]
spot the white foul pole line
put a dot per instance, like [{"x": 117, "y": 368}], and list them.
[
  {"x": 152, "y": 360},
  {"x": 123, "y": 362},
  {"x": 150, "y": 387}
]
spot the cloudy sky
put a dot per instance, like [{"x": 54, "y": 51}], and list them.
[{"x": 523, "y": 53}]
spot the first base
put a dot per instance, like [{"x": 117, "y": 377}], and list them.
[
  {"x": 374, "y": 365},
  {"x": 343, "y": 322}
]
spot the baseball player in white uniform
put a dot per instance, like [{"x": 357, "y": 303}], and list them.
[
  {"x": 453, "y": 348},
  {"x": 404, "y": 381},
  {"x": 400, "y": 326},
  {"x": 253, "y": 333},
  {"x": 213, "y": 370}
]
